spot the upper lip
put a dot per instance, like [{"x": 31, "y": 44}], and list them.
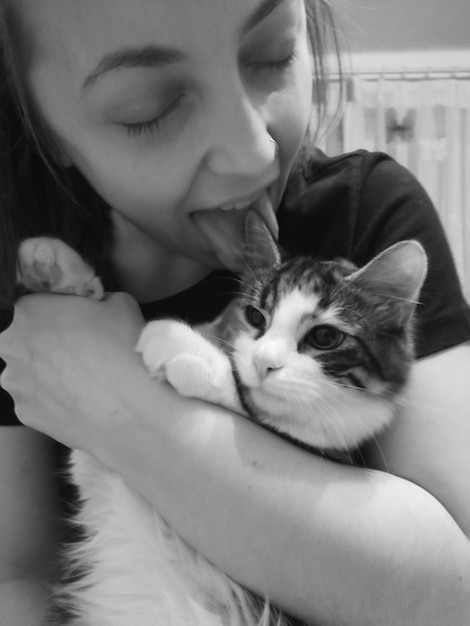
[{"x": 241, "y": 199}]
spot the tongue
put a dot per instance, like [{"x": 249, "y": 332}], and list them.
[
  {"x": 225, "y": 233},
  {"x": 225, "y": 230}
]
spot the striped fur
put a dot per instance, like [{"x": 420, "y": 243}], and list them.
[{"x": 307, "y": 388}]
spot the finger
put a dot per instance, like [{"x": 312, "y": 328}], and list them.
[
  {"x": 10, "y": 337},
  {"x": 121, "y": 298},
  {"x": 17, "y": 387},
  {"x": 8, "y": 340}
]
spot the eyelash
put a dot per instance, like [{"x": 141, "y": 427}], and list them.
[
  {"x": 139, "y": 128},
  {"x": 136, "y": 129},
  {"x": 276, "y": 66}
]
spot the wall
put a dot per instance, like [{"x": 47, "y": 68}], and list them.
[
  {"x": 392, "y": 25},
  {"x": 411, "y": 98}
]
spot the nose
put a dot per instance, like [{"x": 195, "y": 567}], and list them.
[
  {"x": 269, "y": 357},
  {"x": 240, "y": 140}
]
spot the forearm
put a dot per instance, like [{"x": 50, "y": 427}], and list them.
[
  {"x": 23, "y": 602},
  {"x": 327, "y": 542}
]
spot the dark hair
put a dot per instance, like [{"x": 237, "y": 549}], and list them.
[
  {"x": 37, "y": 197},
  {"x": 325, "y": 41}
]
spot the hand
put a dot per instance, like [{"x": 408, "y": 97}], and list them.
[{"x": 67, "y": 362}]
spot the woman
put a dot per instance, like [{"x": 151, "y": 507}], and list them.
[{"x": 164, "y": 118}]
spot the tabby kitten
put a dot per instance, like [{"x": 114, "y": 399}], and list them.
[
  {"x": 318, "y": 351},
  {"x": 306, "y": 339}
]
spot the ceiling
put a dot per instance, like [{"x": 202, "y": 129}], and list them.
[{"x": 393, "y": 25}]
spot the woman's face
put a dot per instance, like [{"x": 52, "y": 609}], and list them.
[{"x": 169, "y": 107}]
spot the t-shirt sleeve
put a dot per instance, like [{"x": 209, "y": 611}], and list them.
[{"x": 358, "y": 204}]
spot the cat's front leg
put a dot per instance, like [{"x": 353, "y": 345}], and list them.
[
  {"x": 49, "y": 264},
  {"x": 176, "y": 353}
]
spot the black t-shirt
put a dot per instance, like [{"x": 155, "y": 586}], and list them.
[{"x": 352, "y": 206}]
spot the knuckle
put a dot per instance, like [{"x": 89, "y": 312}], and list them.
[
  {"x": 121, "y": 297},
  {"x": 7, "y": 382},
  {"x": 6, "y": 344}
]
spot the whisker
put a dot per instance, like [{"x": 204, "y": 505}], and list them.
[
  {"x": 320, "y": 412},
  {"x": 215, "y": 339},
  {"x": 338, "y": 425},
  {"x": 375, "y": 442}
]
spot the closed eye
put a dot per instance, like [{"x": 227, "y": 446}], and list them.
[
  {"x": 153, "y": 125},
  {"x": 274, "y": 65}
]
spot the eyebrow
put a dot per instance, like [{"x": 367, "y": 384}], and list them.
[
  {"x": 261, "y": 12},
  {"x": 144, "y": 56},
  {"x": 163, "y": 56}
]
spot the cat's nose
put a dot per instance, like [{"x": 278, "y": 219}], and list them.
[{"x": 267, "y": 359}]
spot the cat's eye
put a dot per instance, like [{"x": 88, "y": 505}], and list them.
[
  {"x": 325, "y": 337},
  {"x": 255, "y": 317}
]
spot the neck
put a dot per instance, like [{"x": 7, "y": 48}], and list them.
[
  {"x": 165, "y": 280},
  {"x": 149, "y": 272}
]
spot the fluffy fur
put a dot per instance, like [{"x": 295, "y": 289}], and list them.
[
  {"x": 136, "y": 570},
  {"x": 305, "y": 340}
]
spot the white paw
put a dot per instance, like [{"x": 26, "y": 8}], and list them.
[
  {"x": 174, "y": 352},
  {"x": 191, "y": 376},
  {"x": 162, "y": 340},
  {"x": 49, "y": 264}
]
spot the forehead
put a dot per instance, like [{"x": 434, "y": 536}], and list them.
[{"x": 79, "y": 32}]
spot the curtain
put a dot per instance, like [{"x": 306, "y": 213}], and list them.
[{"x": 424, "y": 123}]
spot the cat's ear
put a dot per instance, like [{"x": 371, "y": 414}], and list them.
[
  {"x": 398, "y": 272},
  {"x": 261, "y": 248}
]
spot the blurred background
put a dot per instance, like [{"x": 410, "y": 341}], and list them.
[{"x": 406, "y": 91}]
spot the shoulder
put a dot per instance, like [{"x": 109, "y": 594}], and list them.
[
  {"x": 349, "y": 202},
  {"x": 354, "y": 206}
]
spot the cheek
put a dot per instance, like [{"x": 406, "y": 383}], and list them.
[
  {"x": 243, "y": 355},
  {"x": 295, "y": 108},
  {"x": 303, "y": 84},
  {"x": 118, "y": 174},
  {"x": 123, "y": 171},
  {"x": 141, "y": 189}
]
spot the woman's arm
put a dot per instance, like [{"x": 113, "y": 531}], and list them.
[
  {"x": 328, "y": 542},
  {"x": 29, "y": 525},
  {"x": 429, "y": 443}
]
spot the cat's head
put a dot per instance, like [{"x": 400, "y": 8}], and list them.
[{"x": 327, "y": 346}]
